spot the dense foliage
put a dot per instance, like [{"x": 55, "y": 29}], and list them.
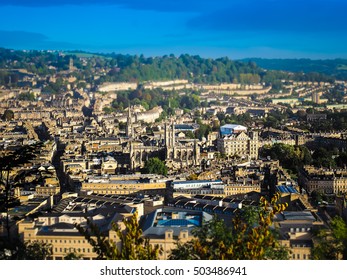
[
  {"x": 335, "y": 121},
  {"x": 290, "y": 157},
  {"x": 8, "y": 115},
  {"x": 132, "y": 67},
  {"x": 15, "y": 249},
  {"x": 319, "y": 70},
  {"x": 193, "y": 68},
  {"x": 8, "y": 162},
  {"x": 155, "y": 166},
  {"x": 331, "y": 244},
  {"x": 27, "y": 96}
]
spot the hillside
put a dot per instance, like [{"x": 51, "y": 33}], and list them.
[{"x": 332, "y": 67}]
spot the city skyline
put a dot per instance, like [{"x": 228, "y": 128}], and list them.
[{"x": 237, "y": 29}]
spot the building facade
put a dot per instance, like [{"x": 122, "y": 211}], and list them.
[
  {"x": 327, "y": 181},
  {"x": 240, "y": 145}
]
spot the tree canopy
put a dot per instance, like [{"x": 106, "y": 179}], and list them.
[
  {"x": 155, "y": 166},
  {"x": 290, "y": 157},
  {"x": 331, "y": 244}
]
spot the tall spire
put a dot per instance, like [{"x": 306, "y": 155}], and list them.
[{"x": 129, "y": 129}]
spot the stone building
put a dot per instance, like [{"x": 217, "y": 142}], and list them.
[
  {"x": 164, "y": 226},
  {"x": 241, "y": 144},
  {"x": 323, "y": 180},
  {"x": 177, "y": 152},
  {"x": 124, "y": 187}
]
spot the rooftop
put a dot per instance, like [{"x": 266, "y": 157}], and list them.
[{"x": 159, "y": 221}]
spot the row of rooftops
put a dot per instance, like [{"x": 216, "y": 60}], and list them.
[
  {"x": 196, "y": 184},
  {"x": 211, "y": 204},
  {"x": 80, "y": 204}
]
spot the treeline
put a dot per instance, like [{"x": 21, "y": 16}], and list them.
[
  {"x": 150, "y": 98},
  {"x": 138, "y": 68},
  {"x": 295, "y": 157},
  {"x": 134, "y": 68},
  {"x": 335, "y": 121},
  {"x": 193, "y": 68},
  {"x": 36, "y": 62},
  {"x": 314, "y": 69}
]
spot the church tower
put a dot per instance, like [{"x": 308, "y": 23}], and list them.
[
  {"x": 253, "y": 145},
  {"x": 170, "y": 140},
  {"x": 196, "y": 153},
  {"x": 129, "y": 128},
  {"x": 71, "y": 67}
]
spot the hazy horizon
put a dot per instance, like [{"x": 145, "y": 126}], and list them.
[{"x": 238, "y": 29}]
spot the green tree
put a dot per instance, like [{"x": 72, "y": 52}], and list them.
[
  {"x": 290, "y": 157},
  {"x": 15, "y": 249},
  {"x": 331, "y": 244},
  {"x": 323, "y": 158},
  {"x": 249, "y": 238},
  {"x": 155, "y": 166},
  {"x": 203, "y": 131},
  {"x": 341, "y": 160},
  {"x": 132, "y": 245},
  {"x": 28, "y": 96},
  {"x": 8, "y": 115},
  {"x": 190, "y": 134},
  {"x": 8, "y": 162},
  {"x": 37, "y": 251},
  {"x": 73, "y": 256},
  {"x": 107, "y": 110}
]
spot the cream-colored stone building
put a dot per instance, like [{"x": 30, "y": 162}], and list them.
[
  {"x": 164, "y": 227},
  {"x": 296, "y": 232},
  {"x": 59, "y": 231},
  {"x": 323, "y": 180},
  {"x": 236, "y": 188},
  {"x": 124, "y": 187},
  {"x": 240, "y": 144}
]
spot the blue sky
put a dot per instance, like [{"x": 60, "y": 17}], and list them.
[{"x": 209, "y": 28}]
